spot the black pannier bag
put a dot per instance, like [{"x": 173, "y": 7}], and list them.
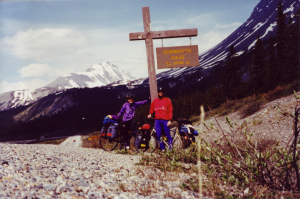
[{"x": 144, "y": 136}]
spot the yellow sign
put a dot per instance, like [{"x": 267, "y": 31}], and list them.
[{"x": 177, "y": 56}]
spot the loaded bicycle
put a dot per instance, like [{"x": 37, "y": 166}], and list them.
[
  {"x": 183, "y": 136},
  {"x": 109, "y": 142}
]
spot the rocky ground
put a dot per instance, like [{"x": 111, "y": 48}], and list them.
[
  {"x": 266, "y": 124},
  {"x": 51, "y": 171}
]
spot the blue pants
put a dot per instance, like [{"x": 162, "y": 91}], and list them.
[{"x": 162, "y": 125}]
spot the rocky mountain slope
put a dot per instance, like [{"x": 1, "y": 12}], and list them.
[{"x": 95, "y": 76}]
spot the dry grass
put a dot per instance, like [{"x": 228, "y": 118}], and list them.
[
  {"x": 91, "y": 140},
  {"x": 239, "y": 159},
  {"x": 237, "y": 162}
]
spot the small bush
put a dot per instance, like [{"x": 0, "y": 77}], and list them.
[
  {"x": 229, "y": 107},
  {"x": 274, "y": 94},
  {"x": 251, "y": 108},
  {"x": 228, "y": 104},
  {"x": 92, "y": 141},
  {"x": 249, "y": 100},
  {"x": 290, "y": 88}
]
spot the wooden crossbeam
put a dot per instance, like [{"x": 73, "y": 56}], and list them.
[{"x": 163, "y": 34}]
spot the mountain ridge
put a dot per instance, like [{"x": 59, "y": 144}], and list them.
[
  {"x": 261, "y": 22},
  {"x": 95, "y": 76}
]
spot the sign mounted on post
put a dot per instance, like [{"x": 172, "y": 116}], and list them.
[
  {"x": 148, "y": 35},
  {"x": 177, "y": 56}
]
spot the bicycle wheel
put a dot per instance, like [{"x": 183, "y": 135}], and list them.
[
  {"x": 177, "y": 143},
  {"x": 192, "y": 145},
  {"x": 108, "y": 144},
  {"x": 152, "y": 143},
  {"x": 150, "y": 146},
  {"x": 132, "y": 137}
]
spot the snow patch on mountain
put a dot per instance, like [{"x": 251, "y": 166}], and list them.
[
  {"x": 290, "y": 9},
  {"x": 249, "y": 22},
  {"x": 270, "y": 28},
  {"x": 95, "y": 76},
  {"x": 73, "y": 84}
]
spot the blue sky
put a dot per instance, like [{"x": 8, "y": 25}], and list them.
[{"x": 41, "y": 40}]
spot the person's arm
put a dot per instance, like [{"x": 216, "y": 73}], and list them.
[
  {"x": 170, "y": 112},
  {"x": 140, "y": 103},
  {"x": 151, "y": 111},
  {"x": 114, "y": 117},
  {"x": 122, "y": 111}
]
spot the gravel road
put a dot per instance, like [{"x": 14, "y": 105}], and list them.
[
  {"x": 74, "y": 141},
  {"x": 59, "y": 171}
]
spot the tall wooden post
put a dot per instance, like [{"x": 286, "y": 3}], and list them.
[
  {"x": 150, "y": 54},
  {"x": 202, "y": 115},
  {"x": 148, "y": 36}
]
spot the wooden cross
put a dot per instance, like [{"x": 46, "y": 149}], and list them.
[{"x": 148, "y": 36}]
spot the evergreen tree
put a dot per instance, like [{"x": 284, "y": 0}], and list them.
[
  {"x": 288, "y": 76},
  {"x": 281, "y": 44},
  {"x": 293, "y": 44},
  {"x": 231, "y": 79},
  {"x": 258, "y": 72},
  {"x": 272, "y": 69}
]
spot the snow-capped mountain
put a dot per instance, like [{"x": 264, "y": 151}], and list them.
[
  {"x": 97, "y": 75},
  {"x": 262, "y": 22}
]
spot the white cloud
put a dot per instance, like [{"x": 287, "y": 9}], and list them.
[
  {"x": 35, "y": 70},
  {"x": 211, "y": 39},
  {"x": 231, "y": 25},
  {"x": 44, "y": 44},
  {"x": 69, "y": 50},
  {"x": 201, "y": 20},
  {"x": 31, "y": 84}
]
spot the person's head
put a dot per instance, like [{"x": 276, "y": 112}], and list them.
[
  {"x": 160, "y": 91},
  {"x": 130, "y": 98}
]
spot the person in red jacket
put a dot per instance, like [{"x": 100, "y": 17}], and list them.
[{"x": 163, "y": 109}]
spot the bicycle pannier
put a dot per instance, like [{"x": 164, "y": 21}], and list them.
[
  {"x": 142, "y": 138},
  {"x": 110, "y": 127},
  {"x": 188, "y": 128},
  {"x": 112, "y": 130},
  {"x": 104, "y": 131}
]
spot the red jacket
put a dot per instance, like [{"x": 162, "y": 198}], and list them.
[{"x": 163, "y": 108}]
